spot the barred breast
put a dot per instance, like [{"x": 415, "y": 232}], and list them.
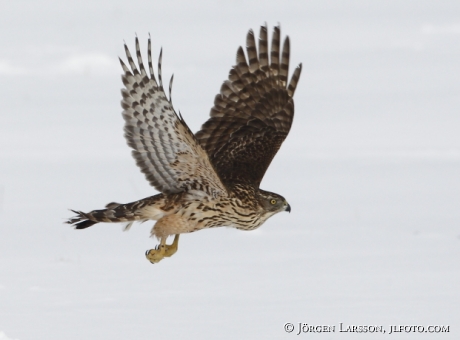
[{"x": 229, "y": 212}]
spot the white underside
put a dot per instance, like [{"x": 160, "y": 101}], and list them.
[{"x": 153, "y": 213}]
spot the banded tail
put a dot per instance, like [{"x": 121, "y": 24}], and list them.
[{"x": 115, "y": 213}]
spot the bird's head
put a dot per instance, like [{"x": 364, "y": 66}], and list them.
[{"x": 273, "y": 203}]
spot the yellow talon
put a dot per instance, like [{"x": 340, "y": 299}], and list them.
[{"x": 163, "y": 250}]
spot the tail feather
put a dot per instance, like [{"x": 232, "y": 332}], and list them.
[
  {"x": 84, "y": 224},
  {"x": 114, "y": 213},
  {"x": 81, "y": 221},
  {"x": 112, "y": 205},
  {"x": 127, "y": 226}
]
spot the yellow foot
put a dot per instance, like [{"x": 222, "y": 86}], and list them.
[{"x": 162, "y": 250}]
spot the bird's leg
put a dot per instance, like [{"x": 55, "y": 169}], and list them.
[
  {"x": 172, "y": 248},
  {"x": 162, "y": 250}
]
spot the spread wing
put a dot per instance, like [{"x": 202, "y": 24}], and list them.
[
  {"x": 163, "y": 146},
  {"x": 253, "y": 113}
]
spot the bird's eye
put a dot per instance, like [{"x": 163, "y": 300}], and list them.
[{"x": 273, "y": 201}]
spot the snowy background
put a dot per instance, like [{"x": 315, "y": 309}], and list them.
[{"x": 371, "y": 169}]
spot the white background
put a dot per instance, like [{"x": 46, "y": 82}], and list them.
[{"x": 371, "y": 169}]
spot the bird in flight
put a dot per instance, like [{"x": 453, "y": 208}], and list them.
[{"x": 211, "y": 178}]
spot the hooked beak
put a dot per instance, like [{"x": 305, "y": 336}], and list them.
[{"x": 288, "y": 208}]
